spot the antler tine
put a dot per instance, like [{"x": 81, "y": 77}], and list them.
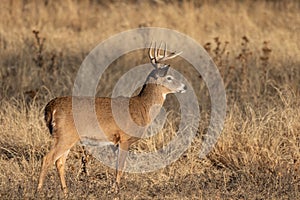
[
  {"x": 152, "y": 57},
  {"x": 170, "y": 56},
  {"x": 165, "y": 52},
  {"x": 150, "y": 52},
  {"x": 157, "y": 57},
  {"x": 158, "y": 51}
]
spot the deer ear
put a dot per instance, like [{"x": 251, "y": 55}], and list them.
[{"x": 163, "y": 70}]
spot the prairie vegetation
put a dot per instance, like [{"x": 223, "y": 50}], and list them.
[{"x": 255, "y": 45}]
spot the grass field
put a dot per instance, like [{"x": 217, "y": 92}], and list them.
[{"x": 255, "y": 45}]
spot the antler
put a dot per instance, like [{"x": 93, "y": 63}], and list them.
[{"x": 157, "y": 57}]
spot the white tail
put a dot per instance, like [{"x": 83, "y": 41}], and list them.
[{"x": 59, "y": 117}]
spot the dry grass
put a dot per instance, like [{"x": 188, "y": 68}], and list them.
[{"x": 258, "y": 153}]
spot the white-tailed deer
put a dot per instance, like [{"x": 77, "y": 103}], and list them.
[{"x": 60, "y": 121}]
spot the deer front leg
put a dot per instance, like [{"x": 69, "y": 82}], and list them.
[{"x": 120, "y": 165}]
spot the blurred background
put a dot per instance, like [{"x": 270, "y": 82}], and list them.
[{"x": 255, "y": 45}]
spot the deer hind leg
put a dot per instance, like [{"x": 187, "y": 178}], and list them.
[
  {"x": 57, "y": 155},
  {"x": 47, "y": 161},
  {"x": 60, "y": 165}
]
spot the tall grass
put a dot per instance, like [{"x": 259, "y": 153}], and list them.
[{"x": 255, "y": 46}]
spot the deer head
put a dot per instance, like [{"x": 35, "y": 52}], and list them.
[{"x": 160, "y": 75}]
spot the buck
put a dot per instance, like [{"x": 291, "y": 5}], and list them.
[{"x": 60, "y": 120}]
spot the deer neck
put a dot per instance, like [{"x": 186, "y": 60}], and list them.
[
  {"x": 152, "y": 94},
  {"x": 150, "y": 100}
]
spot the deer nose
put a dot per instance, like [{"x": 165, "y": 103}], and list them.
[{"x": 184, "y": 87}]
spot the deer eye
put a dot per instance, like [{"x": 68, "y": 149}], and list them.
[{"x": 169, "y": 78}]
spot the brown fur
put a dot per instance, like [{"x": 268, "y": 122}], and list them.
[
  {"x": 59, "y": 117},
  {"x": 59, "y": 120}
]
